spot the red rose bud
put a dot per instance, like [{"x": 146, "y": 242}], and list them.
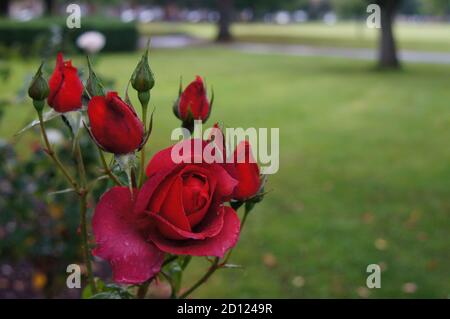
[
  {"x": 246, "y": 171},
  {"x": 193, "y": 102},
  {"x": 115, "y": 126},
  {"x": 66, "y": 88}
]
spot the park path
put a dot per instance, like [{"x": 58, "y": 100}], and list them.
[
  {"x": 180, "y": 41},
  {"x": 349, "y": 53}
]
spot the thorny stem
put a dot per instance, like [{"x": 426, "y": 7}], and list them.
[
  {"x": 81, "y": 191},
  {"x": 54, "y": 157},
  {"x": 84, "y": 240},
  {"x": 83, "y": 219},
  {"x": 80, "y": 164},
  {"x": 215, "y": 265},
  {"x": 107, "y": 169}
]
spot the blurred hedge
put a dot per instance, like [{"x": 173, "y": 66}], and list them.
[{"x": 29, "y": 36}]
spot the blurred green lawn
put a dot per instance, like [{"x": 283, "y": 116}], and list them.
[
  {"x": 424, "y": 36},
  {"x": 364, "y": 170}
]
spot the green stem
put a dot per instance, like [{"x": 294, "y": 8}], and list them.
[
  {"x": 142, "y": 168},
  {"x": 215, "y": 265},
  {"x": 80, "y": 164},
  {"x": 107, "y": 169},
  {"x": 53, "y": 155},
  {"x": 142, "y": 291},
  {"x": 84, "y": 241},
  {"x": 81, "y": 191},
  {"x": 83, "y": 218}
]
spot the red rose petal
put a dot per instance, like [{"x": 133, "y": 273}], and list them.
[
  {"x": 132, "y": 258},
  {"x": 212, "y": 246},
  {"x": 172, "y": 208},
  {"x": 163, "y": 159}
]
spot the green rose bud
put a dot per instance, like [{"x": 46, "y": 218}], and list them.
[
  {"x": 142, "y": 79},
  {"x": 38, "y": 89}
]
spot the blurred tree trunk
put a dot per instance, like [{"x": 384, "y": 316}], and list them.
[
  {"x": 49, "y": 7},
  {"x": 225, "y": 8},
  {"x": 4, "y": 7},
  {"x": 388, "y": 50}
]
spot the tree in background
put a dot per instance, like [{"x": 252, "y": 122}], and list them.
[
  {"x": 4, "y": 7},
  {"x": 387, "y": 58},
  {"x": 49, "y": 7},
  {"x": 225, "y": 8}
]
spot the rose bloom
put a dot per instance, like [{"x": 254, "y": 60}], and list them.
[
  {"x": 115, "y": 125},
  {"x": 66, "y": 87},
  {"x": 179, "y": 210},
  {"x": 194, "y": 99}
]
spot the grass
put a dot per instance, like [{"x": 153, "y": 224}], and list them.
[
  {"x": 364, "y": 170},
  {"x": 412, "y": 36}
]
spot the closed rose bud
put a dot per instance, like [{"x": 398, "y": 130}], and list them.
[
  {"x": 193, "y": 102},
  {"x": 115, "y": 126},
  {"x": 66, "y": 88},
  {"x": 247, "y": 172},
  {"x": 142, "y": 78},
  {"x": 38, "y": 89}
]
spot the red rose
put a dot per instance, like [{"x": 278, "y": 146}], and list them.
[
  {"x": 114, "y": 124},
  {"x": 66, "y": 88},
  {"x": 179, "y": 210},
  {"x": 194, "y": 100},
  {"x": 246, "y": 171}
]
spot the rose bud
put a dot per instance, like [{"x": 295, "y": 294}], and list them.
[
  {"x": 115, "y": 126},
  {"x": 246, "y": 171},
  {"x": 142, "y": 78},
  {"x": 38, "y": 90},
  {"x": 193, "y": 104},
  {"x": 66, "y": 88}
]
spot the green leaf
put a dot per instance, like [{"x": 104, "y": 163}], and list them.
[
  {"x": 107, "y": 291},
  {"x": 232, "y": 266},
  {"x": 47, "y": 116},
  {"x": 63, "y": 191},
  {"x": 87, "y": 291}
]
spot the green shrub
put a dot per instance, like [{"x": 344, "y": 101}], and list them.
[{"x": 32, "y": 36}]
